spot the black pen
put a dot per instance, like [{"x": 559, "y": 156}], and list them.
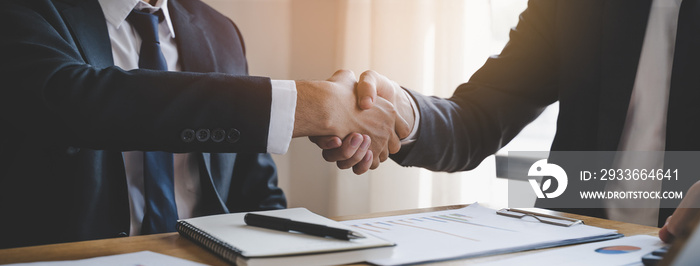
[{"x": 284, "y": 224}]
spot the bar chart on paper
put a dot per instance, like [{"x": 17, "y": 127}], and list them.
[
  {"x": 467, "y": 232},
  {"x": 447, "y": 225}
]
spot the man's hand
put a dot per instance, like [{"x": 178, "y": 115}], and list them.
[
  {"x": 371, "y": 88},
  {"x": 683, "y": 216},
  {"x": 355, "y": 147},
  {"x": 328, "y": 108},
  {"x": 373, "y": 84}
]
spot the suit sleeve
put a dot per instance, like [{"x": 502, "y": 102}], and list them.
[
  {"x": 48, "y": 87},
  {"x": 484, "y": 114}
]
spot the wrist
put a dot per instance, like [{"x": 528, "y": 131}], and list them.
[
  {"x": 406, "y": 108},
  {"x": 312, "y": 116}
]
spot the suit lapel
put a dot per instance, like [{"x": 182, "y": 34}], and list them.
[
  {"x": 215, "y": 172},
  {"x": 193, "y": 45},
  {"x": 625, "y": 25},
  {"x": 88, "y": 24}
]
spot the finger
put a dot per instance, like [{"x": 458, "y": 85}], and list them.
[
  {"x": 402, "y": 128},
  {"x": 364, "y": 165},
  {"x": 327, "y": 142},
  {"x": 346, "y": 151},
  {"x": 665, "y": 235},
  {"x": 677, "y": 224},
  {"x": 377, "y": 148},
  {"x": 375, "y": 162},
  {"x": 366, "y": 90},
  {"x": 384, "y": 154},
  {"x": 386, "y": 88},
  {"x": 394, "y": 144},
  {"x": 358, "y": 156},
  {"x": 344, "y": 77}
]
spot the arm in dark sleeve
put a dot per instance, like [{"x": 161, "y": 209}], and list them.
[
  {"x": 483, "y": 115},
  {"x": 48, "y": 87}
]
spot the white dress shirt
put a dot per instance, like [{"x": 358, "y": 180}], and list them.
[{"x": 126, "y": 44}]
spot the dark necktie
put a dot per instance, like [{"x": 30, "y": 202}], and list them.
[{"x": 160, "y": 215}]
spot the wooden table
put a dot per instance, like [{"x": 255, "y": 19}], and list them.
[{"x": 174, "y": 245}]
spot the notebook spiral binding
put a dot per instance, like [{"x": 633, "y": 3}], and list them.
[{"x": 204, "y": 239}]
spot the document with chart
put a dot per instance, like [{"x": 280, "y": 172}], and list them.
[{"x": 469, "y": 232}]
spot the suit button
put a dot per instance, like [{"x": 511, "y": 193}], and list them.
[
  {"x": 218, "y": 135},
  {"x": 122, "y": 234},
  {"x": 72, "y": 150},
  {"x": 203, "y": 135},
  {"x": 233, "y": 135},
  {"x": 187, "y": 135}
]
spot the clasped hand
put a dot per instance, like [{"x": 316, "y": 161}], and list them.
[{"x": 370, "y": 115}]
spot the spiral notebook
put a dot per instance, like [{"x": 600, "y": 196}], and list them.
[{"x": 228, "y": 236}]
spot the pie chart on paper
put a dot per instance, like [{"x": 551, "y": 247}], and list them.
[{"x": 617, "y": 249}]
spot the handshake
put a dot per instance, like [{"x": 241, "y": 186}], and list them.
[{"x": 371, "y": 115}]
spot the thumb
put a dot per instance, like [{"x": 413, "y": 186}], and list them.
[
  {"x": 344, "y": 77},
  {"x": 367, "y": 89},
  {"x": 326, "y": 142},
  {"x": 664, "y": 233},
  {"x": 402, "y": 128}
]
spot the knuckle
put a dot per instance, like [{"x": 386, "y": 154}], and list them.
[
  {"x": 394, "y": 148},
  {"x": 376, "y": 148},
  {"x": 346, "y": 73},
  {"x": 347, "y": 153},
  {"x": 365, "y": 74},
  {"x": 357, "y": 157},
  {"x": 368, "y": 75},
  {"x": 393, "y": 110},
  {"x": 383, "y": 156},
  {"x": 365, "y": 84},
  {"x": 345, "y": 164},
  {"x": 327, "y": 155},
  {"x": 360, "y": 169}
]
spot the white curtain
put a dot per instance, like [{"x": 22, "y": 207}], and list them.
[{"x": 430, "y": 46}]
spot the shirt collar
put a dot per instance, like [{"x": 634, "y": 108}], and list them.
[{"x": 116, "y": 11}]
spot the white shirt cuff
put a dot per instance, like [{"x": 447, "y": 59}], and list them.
[
  {"x": 412, "y": 137},
  {"x": 284, "y": 104}
]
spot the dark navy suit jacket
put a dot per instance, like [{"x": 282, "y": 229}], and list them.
[
  {"x": 68, "y": 113},
  {"x": 582, "y": 53}
]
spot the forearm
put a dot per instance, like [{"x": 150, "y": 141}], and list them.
[
  {"x": 456, "y": 135},
  {"x": 148, "y": 110},
  {"x": 507, "y": 93},
  {"x": 48, "y": 87}
]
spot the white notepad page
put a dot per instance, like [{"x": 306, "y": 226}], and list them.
[{"x": 467, "y": 232}]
